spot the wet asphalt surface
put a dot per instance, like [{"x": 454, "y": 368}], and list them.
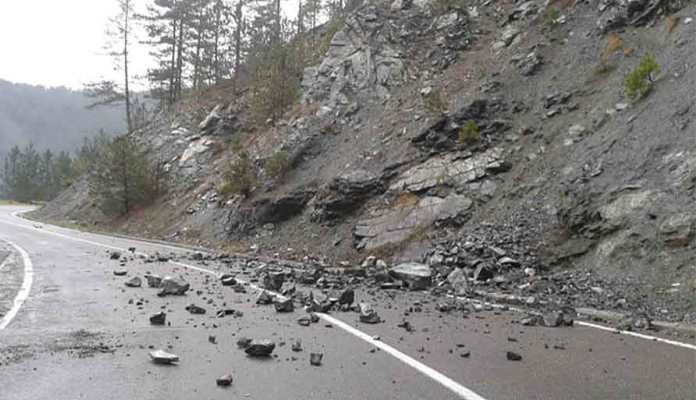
[{"x": 83, "y": 335}]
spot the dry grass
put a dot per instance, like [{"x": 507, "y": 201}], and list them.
[
  {"x": 671, "y": 22},
  {"x": 405, "y": 200}
]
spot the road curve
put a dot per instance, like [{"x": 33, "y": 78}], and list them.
[{"x": 82, "y": 334}]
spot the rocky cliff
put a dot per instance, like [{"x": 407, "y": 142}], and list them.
[{"x": 488, "y": 138}]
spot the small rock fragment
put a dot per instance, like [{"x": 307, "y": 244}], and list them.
[
  {"x": 153, "y": 281},
  {"x": 134, "y": 282},
  {"x": 284, "y": 305},
  {"x": 264, "y": 298},
  {"x": 194, "y": 309},
  {"x": 120, "y": 272},
  {"x": 260, "y": 348},
  {"x": 512, "y": 356},
  {"x": 225, "y": 380},
  {"x": 368, "y": 315},
  {"x": 315, "y": 359},
  {"x": 158, "y": 319},
  {"x": 162, "y": 357},
  {"x": 115, "y": 255},
  {"x": 347, "y": 297}
]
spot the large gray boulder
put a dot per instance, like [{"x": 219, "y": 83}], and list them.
[{"x": 415, "y": 275}]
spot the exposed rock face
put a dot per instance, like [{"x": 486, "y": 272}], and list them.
[
  {"x": 274, "y": 210},
  {"x": 346, "y": 193},
  {"x": 357, "y": 60},
  {"x": 443, "y": 134},
  {"x": 397, "y": 224},
  {"x": 451, "y": 169}
]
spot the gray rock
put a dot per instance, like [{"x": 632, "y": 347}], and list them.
[
  {"x": 284, "y": 305},
  {"x": 134, "y": 282},
  {"x": 368, "y": 315},
  {"x": 677, "y": 230},
  {"x": 264, "y": 298},
  {"x": 162, "y": 357},
  {"x": 153, "y": 281},
  {"x": 416, "y": 276},
  {"x": 346, "y": 193},
  {"x": 120, "y": 272},
  {"x": 512, "y": 356},
  {"x": 260, "y": 348},
  {"x": 225, "y": 380},
  {"x": 173, "y": 286},
  {"x": 194, "y": 309},
  {"x": 158, "y": 319},
  {"x": 228, "y": 280},
  {"x": 460, "y": 284},
  {"x": 347, "y": 297},
  {"x": 315, "y": 359},
  {"x": 397, "y": 224},
  {"x": 273, "y": 281},
  {"x": 115, "y": 255}
]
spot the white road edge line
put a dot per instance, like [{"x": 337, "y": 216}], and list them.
[
  {"x": 590, "y": 325},
  {"x": 24, "y": 290},
  {"x": 431, "y": 373},
  {"x": 583, "y": 323}
]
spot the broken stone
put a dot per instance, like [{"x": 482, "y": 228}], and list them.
[
  {"x": 457, "y": 278},
  {"x": 162, "y": 357},
  {"x": 158, "y": 319},
  {"x": 153, "y": 281},
  {"x": 315, "y": 359},
  {"x": 173, "y": 286},
  {"x": 483, "y": 272},
  {"x": 555, "y": 319},
  {"x": 228, "y": 280},
  {"x": 368, "y": 315},
  {"x": 297, "y": 346},
  {"x": 416, "y": 276},
  {"x": 304, "y": 321},
  {"x": 260, "y": 348},
  {"x": 244, "y": 342},
  {"x": 274, "y": 281},
  {"x": 120, "y": 272},
  {"x": 225, "y": 380},
  {"x": 194, "y": 309},
  {"x": 264, "y": 298},
  {"x": 347, "y": 297},
  {"x": 134, "y": 282},
  {"x": 284, "y": 305},
  {"x": 512, "y": 356},
  {"x": 115, "y": 255}
]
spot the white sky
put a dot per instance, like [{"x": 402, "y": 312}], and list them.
[
  {"x": 61, "y": 42},
  {"x": 58, "y": 42}
]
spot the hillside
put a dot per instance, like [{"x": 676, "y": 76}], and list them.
[
  {"x": 51, "y": 118},
  {"x": 494, "y": 139}
]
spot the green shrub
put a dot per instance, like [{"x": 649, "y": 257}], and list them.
[
  {"x": 278, "y": 165},
  {"x": 640, "y": 81},
  {"x": 240, "y": 178},
  {"x": 469, "y": 133},
  {"x": 552, "y": 17}
]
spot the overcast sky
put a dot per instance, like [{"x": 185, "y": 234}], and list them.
[
  {"x": 57, "y": 42},
  {"x": 61, "y": 42}
]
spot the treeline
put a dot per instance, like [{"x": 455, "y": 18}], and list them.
[
  {"x": 120, "y": 175},
  {"x": 30, "y": 175},
  {"x": 200, "y": 43}
]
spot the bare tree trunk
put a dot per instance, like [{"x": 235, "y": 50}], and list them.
[
  {"x": 239, "y": 18},
  {"x": 126, "y": 32}
]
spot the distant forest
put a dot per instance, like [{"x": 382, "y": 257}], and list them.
[{"x": 53, "y": 119}]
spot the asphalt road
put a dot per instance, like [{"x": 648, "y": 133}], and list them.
[{"x": 81, "y": 334}]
